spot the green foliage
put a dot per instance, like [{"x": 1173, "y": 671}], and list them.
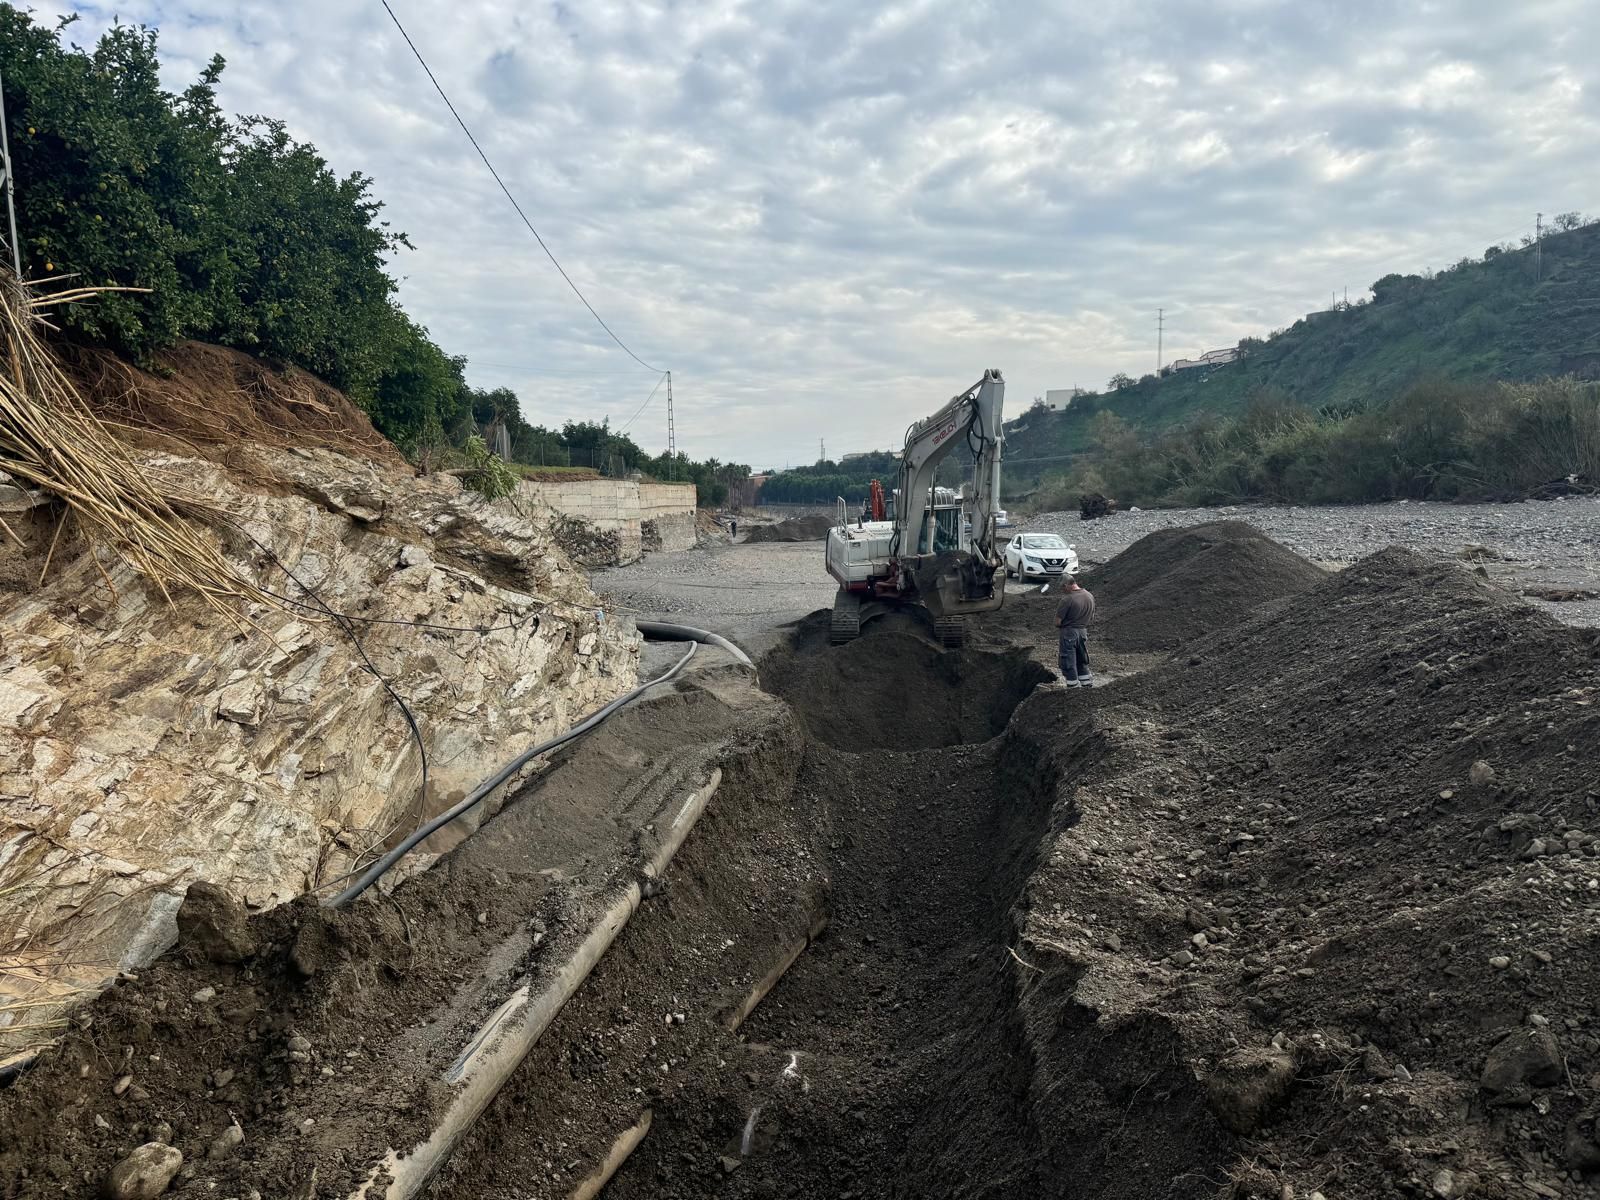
[
  {"x": 1481, "y": 321},
  {"x": 1440, "y": 440},
  {"x": 486, "y": 474},
  {"x": 246, "y": 238},
  {"x": 117, "y": 180},
  {"x": 243, "y": 236},
  {"x": 825, "y": 481}
]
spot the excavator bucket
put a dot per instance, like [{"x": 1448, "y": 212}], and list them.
[{"x": 956, "y": 583}]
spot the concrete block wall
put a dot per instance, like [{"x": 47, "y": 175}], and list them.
[
  {"x": 676, "y": 530},
  {"x": 621, "y": 506}
]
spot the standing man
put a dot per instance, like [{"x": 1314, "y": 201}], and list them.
[{"x": 1073, "y": 615}]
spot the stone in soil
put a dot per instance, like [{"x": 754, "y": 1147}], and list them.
[
  {"x": 144, "y": 1174},
  {"x": 213, "y": 924}
]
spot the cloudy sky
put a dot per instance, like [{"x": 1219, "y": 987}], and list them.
[{"x": 826, "y": 216}]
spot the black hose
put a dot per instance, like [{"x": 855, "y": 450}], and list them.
[
  {"x": 667, "y": 632},
  {"x": 378, "y": 869}
]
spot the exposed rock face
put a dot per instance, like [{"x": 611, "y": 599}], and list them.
[{"x": 145, "y": 746}]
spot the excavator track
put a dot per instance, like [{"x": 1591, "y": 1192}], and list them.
[
  {"x": 846, "y": 623},
  {"x": 951, "y": 632}
]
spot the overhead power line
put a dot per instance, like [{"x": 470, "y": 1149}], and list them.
[
  {"x": 624, "y": 427},
  {"x": 575, "y": 290},
  {"x": 563, "y": 372}
]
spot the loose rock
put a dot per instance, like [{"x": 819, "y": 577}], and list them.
[
  {"x": 1246, "y": 1085},
  {"x": 144, "y": 1174},
  {"x": 213, "y": 924},
  {"x": 1527, "y": 1057},
  {"x": 1583, "y": 1143},
  {"x": 225, "y": 1143}
]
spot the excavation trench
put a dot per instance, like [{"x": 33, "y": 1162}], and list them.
[{"x": 824, "y": 1001}]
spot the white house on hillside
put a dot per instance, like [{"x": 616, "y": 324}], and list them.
[{"x": 1211, "y": 358}]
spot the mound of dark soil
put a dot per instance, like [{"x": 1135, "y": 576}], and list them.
[
  {"x": 796, "y": 529},
  {"x": 1175, "y": 585},
  {"x": 1342, "y": 860},
  {"x": 893, "y": 688}
]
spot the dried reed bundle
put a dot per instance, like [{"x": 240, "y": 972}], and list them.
[{"x": 50, "y": 439}]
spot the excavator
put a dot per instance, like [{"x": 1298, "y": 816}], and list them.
[{"x": 926, "y": 545}]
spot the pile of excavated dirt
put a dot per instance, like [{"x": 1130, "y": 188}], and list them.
[
  {"x": 708, "y": 530},
  {"x": 1174, "y": 585},
  {"x": 894, "y": 688},
  {"x": 1334, "y": 886},
  {"x": 811, "y": 528}
]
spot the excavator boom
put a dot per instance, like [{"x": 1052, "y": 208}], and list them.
[{"x": 938, "y": 550}]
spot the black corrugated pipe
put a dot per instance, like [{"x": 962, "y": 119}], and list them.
[
  {"x": 659, "y": 630},
  {"x": 663, "y": 631}
]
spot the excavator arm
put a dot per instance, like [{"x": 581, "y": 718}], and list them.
[
  {"x": 945, "y": 561},
  {"x": 952, "y": 583}
]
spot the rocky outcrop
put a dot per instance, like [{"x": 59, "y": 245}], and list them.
[{"x": 145, "y": 745}]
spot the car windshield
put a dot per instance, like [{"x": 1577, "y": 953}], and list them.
[{"x": 1043, "y": 541}]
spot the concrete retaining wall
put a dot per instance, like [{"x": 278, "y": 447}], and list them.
[{"x": 623, "y": 506}]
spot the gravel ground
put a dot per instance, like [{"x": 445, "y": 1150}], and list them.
[
  {"x": 749, "y": 592},
  {"x": 744, "y": 592},
  {"x": 1532, "y": 544}
]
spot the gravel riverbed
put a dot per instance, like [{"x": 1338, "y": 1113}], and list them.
[{"x": 750, "y": 591}]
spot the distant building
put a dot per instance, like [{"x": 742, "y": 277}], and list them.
[
  {"x": 1058, "y": 399},
  {"x": 856, "y": 456},
  {"x": 1211, "y": 358}
]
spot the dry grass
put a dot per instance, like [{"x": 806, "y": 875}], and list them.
[{"x": 50, "y": 439}]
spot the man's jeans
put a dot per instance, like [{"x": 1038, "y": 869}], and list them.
[{"x": 1075, "y": 654}]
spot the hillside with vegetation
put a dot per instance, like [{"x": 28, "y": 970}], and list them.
[
  {"x": 228, "y": 231},
  {"x": 1517, "y": 314}
]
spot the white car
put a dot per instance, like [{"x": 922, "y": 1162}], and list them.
[{"x": 1040, "y": 556}]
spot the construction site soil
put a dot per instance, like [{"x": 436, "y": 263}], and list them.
[
  {"x": 811, "y": 528},
  {"x": 1309, "y": 907},
  {"x": 1182, "y": 583}
]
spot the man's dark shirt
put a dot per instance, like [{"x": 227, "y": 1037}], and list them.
[{"x": 1076, "y": 610}]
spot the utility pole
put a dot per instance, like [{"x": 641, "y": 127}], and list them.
[
  {"x": 1538, "y": 247},
  {"x": 1161, "y": 328},
  {"x": 822, "y": 450},
  {"x": 6, "y": 178},
  {"x": 672, "y": 433}
]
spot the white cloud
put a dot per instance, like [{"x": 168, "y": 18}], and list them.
[{"x": 826, "y": 216}]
